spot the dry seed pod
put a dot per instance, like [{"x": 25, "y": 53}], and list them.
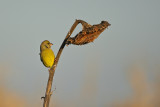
[{"x": 88, "y": 34}]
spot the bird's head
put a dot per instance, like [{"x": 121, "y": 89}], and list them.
[{"x": 45, "y": 45}]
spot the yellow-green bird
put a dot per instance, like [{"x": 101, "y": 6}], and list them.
[{"x": 46, "y": 54}]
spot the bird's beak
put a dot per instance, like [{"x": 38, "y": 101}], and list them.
[{"x": 51, "y": 44}]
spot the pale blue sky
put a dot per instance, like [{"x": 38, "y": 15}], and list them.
[{"x": 133, "y": 36}]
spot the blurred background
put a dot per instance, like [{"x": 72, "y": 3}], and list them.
[{"x": 120, "y": 69}]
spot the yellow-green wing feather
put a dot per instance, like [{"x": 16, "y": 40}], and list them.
[{"x": 47, "y": 57}]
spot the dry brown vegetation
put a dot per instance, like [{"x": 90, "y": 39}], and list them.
[
  {"x": 7, "y": 97},
  {"x": 145, "y": 93}
]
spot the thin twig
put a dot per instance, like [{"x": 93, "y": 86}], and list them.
[{"x": 53, "y": 68}]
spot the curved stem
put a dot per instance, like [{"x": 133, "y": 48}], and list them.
[{"x": 53, "y": 68}]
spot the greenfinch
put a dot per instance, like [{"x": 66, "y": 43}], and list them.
[{"x": 46, "y": 54}]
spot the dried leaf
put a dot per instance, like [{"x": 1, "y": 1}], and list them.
[{"x": 88, "y": 34}]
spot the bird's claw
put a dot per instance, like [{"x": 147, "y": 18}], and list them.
[{"x": 54, "y": 65}]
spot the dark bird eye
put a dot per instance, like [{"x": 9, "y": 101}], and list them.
[{"x": 46, "y": 46}]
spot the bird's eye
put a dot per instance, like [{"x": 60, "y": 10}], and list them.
[{"x": 46, "y": 46}]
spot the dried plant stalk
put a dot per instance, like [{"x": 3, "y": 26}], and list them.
[
  {"x": 53, "y": 68},
  {"x": 88, "y": 34}
]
